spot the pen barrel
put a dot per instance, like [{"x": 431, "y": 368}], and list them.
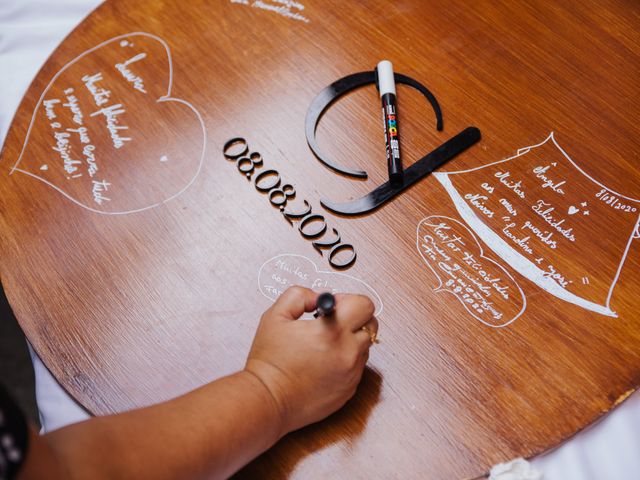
[{"x": 392, "y": 136}]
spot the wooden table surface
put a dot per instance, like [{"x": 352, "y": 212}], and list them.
[{"x": 138, "y": 258}]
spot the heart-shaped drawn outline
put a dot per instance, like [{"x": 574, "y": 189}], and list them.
[
  {"x": 164, "y": 98},
  {"x": 377, "y": 312},
  {"x": 439, "y": 287},
  {"x": 572, "y": 210}
]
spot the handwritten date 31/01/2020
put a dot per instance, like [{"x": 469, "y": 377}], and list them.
[{"x": 311, "y": 226}]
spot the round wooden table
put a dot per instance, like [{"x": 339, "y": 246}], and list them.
[{"x": 158, "y": 193}]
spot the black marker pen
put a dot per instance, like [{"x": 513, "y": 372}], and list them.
[
  {"x": 387, "y": 87},
  {"x": 325, "y": 305}
]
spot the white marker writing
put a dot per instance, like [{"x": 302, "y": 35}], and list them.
[
  {"x": 63, "y": 148},
  {"x": 285, "y": 11},
  {"x": 553, "y": 274},
  {"x": 48, "y": 108},
  {"x": 90, "y": 158},
  {"x": 476, "y": 201},
  {"x": 282, "y": 265},
  {"x": 505, "y": 203},
  {"x": 432, "y": 247},
  {"x": 487, "y": 187},
  {"x": 138, "y": 83},
  {"x": 546, "y": 182},
  {"x": 72, "y": 104},
  {"x": 614, "y": 202},
  {"x": 98, "y": 189},
  {"x": 111, "y": 114},
  {"x": 546, "y": 214},
  {"x": 544, "y": 237},
  {"x": 100, "y": 95},
  {"x": 515, "y": 186},
  {"x": 521, "y": 242},
  {"x": 82, "y": 133}
]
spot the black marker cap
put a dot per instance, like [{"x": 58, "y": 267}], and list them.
[{"x": 325, "y": 304}]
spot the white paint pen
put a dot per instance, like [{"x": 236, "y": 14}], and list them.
[{"x": 387, "y": 88}]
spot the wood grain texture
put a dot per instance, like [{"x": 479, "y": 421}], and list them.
[{"x": 128, "y": 309}]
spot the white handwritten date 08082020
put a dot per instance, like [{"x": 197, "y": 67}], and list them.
[{"x": 311, "y": 226}]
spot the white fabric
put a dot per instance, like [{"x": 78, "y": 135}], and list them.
[
  {"x": 29, "y": 32},
  {"x": 607, "y": 450},
  {"x": 55, "y": 407},
  {"x": 518, "y": 469}
]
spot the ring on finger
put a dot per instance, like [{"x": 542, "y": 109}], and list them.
[{"x": 372, "y": 335}]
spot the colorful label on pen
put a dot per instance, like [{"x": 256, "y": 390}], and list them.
[
  {"x": 392, "y": 131},
  {"x": 392, "y": 140}
]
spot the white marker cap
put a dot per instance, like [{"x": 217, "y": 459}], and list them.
[{"x": 385, "y": 78}]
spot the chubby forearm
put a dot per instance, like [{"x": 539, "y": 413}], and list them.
[
  {"x": 208, "y": 433},
  {"x": 297, "y": 373}
]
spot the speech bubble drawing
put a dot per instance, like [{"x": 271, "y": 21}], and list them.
[
  {"x": 108, "y": 134},
  {"x": 286, "y": 270},
  {"x": 454, "y": 255}
]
